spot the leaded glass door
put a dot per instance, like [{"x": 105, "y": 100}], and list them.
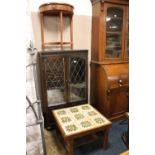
[
  {"x": 77, "y": 78},
  {"x": 55, "y": 80}
]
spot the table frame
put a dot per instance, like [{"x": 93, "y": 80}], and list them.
[{"x": 70, "y": 139}]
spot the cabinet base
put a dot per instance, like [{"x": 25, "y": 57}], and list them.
[{"x": 117, "y": 118}]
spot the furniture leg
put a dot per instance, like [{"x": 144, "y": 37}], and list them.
[
  {"x": 70, "y": 147},
  {"x": 105, "y": 138}
]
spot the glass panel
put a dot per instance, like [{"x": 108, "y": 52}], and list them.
[
  {"x": 77, "y": 81},
  {"x": 127, "y": 50},
  {"x": 54, "y": 72},
  {"x": 127, "y": 45},
  {"x": 114, "y": 23}
]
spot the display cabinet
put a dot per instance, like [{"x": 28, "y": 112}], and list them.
[
  {"x": 110, "y": 57},
  {"x": 110, "y": 30},
  {"x": 63, "y": 78}
]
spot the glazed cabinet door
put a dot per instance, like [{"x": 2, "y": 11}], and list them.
[
  {"x": 77, "y": 78},
  {"x": 115, "y": 26},
  {"x": 55, "y": 79},
  {"x": 126, "y": 56}
]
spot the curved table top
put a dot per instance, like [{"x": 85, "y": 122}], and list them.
[{"x": 56, "y": 7}]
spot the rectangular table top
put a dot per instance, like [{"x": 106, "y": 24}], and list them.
[{"x": 78, "y": 119}]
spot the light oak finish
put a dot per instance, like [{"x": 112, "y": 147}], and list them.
[
  {"x": 109, "y": 94},
  {"x": 125, "y": 153},
  {"x": 71, "y": 138},
  {"x": 60, "y": 10},
  {"x": 99, "y": 24},
  {"x": 110, "y": 91}
]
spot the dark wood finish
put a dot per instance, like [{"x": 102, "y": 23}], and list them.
[
  {"x": 125, "y": 135},
  {"x": 110, "y": 91},
  {"x": 67, "y": 55},
  {"x": 60, "y": 10}
]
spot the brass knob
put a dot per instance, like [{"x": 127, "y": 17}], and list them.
[
  {"x": 120, "y": 81},
  {"x": 108, "y": 91}
]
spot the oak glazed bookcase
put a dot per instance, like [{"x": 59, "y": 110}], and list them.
[{"x": 110, "y": 57}]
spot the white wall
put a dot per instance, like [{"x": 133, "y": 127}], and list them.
[{"x": 81, "y": 7}]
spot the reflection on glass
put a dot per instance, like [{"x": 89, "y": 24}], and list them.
[
  {"x": 114, "y": 21},
  {"x": 54, "y": 72},
  {"x": 127, "y": 48},
  {"x": 77, "y": 80}
]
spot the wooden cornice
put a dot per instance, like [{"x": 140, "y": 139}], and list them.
[{"x": 110, "y": 1}]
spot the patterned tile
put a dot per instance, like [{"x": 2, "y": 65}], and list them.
[
  {"x": 86, "y": 124},
  {"x": 92, "y": 113},
  {"x": 85, "y": 107},
  {"x": 99, "y": 120},
  {"x": 61, "y": 112},
  {"x": 79, "y": 118},
  {"x": 71, "y": 127},
  {"x": 65, "y": 119},
  {"x": 73, "y": 110}
]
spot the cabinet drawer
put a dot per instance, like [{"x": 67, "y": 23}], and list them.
[{"x": 118, "y": 81}]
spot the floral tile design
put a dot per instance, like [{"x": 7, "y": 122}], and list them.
[
  {"x": 85, "y": 124},
  {"x": 71, "y": 128},
  {"x": 92, "y": 113},
  {"x": 73, "y": 110},
  {"x": 85, "y": 107},
  {"x": 61, "y": 112},
  {"x": 79, "y": 116},
  {"x": 99, "y": 120},
  {"x": 65, "y": 119}
]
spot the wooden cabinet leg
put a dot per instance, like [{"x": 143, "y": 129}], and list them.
[
  {"x": 105, "y": 138},
  {"x": 70, "y": 147}
]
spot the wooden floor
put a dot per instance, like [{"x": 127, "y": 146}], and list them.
[{"x": 53, "y": 145}]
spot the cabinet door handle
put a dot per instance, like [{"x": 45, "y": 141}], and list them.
[
  {"x": 108, "y": 92},
  {"x": 120, "y": 82}
]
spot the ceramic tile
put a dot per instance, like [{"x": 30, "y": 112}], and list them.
[{"x": 79, "y": 118}]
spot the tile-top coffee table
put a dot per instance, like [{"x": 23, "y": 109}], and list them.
[{"x": 80, "y": 124}]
